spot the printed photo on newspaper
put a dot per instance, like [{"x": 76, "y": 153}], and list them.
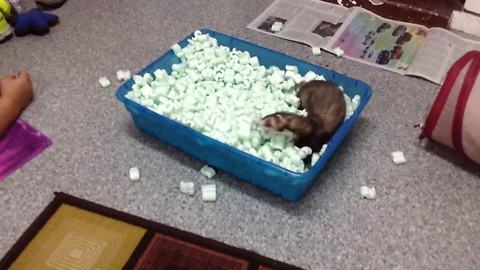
[
  {"x": 400, "y": 47},
  {"x": 390, "y": 44}
]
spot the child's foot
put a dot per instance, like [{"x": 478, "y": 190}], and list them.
[{"x": 5, "y": 30}]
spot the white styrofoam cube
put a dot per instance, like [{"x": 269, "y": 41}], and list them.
[
  {"x": 398, "y": 157},
  {"x": 208, "y": 172},
  {"x": 338, "y": 52},
  {"x": 134, "y": 174},
  {"x": 187, "y": 188},
  {"x": 368, "y": 193},
  {"x": 277, "y": 26},
  {"x": 209, "y": 193},
  {"x": 316, "y": 51},
  {"x": 104, "y": 82}
]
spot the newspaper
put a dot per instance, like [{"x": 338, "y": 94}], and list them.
[{"x": 404, "y": 48}]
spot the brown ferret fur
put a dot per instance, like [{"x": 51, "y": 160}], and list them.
[{"x": 326, "y": 109}]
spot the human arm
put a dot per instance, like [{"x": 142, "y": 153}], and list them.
[{"x": 16, "y": 92}]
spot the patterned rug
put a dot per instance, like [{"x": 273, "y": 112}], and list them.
[{"x": 72, "y": 233}]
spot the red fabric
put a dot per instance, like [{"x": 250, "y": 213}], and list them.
[
  {"x": 467, "y": 87},
  {"x": 445, "y": 90},
  {"x": 454, "y": 118}
]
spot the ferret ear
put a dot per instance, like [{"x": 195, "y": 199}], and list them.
[{"x": 266, "y": 122}]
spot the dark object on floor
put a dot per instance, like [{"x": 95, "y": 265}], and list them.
[
  {"x": 34, "y": 21},
  {"x": 431, "y": 13},
  {"x": 72, "y": 233},
  {"x": 50, "y": 4}
]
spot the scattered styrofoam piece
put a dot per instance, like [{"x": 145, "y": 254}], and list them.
[
  {"x": 277, "y": 26},
  {"x": 207, "y": 171},
  {"x": 368, "y": 192},
  {"x": 123, "y": 75},
  {"x": 134, "y": 174},
  {"x": 338, "y": 52},
  {"x": 187, "y": 188},
  {"x": 104, "y": 82},
  {"x": 398, "y": 157},
  {"x": 316, "y": 51},
  {"x": 209, "y": 193}
]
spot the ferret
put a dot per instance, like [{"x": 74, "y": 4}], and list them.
[{"x": 326, "y": 109}]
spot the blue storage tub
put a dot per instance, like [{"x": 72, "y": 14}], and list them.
[{"x": 287, "y": 184}]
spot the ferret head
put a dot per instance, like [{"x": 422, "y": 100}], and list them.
[
  {"x": 306, "y": 89},
  {"x": 275, "y": 124}
]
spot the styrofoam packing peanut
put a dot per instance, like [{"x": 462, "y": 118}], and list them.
[
  {"x": 254, "y": 61},
  {"x": 289, "y": 74},
  {"x": 209, "y": 193},
  {"x": 324, "y": 148},
  {"x": 123, "y": 75},
  {"x": 291, "y": 68},
  {"x": 147, "y": 77},
  {"x": 310, "y": 76},
  {"x": 316, "y": 51},
  {"x": 398, "y": 157},
  {"x": 315, "y": 158},
  {"x": 355, "y": 102},
  {"x": 208, "y": 171},
  {"x": 222, "y": 92},
  {"x": 176, "y": 49},
  {"x": 307, "y": 150},
  {"x": 298, "y": 78},
  {"x": 277, "y": 26},
  {"x": 134, "y": 174},
  {"x": 278, "y": 141},
  {"x": 104, "y": 82},
  {"x": 338, "y": 52},
  {"x": 368, "y": 193},
  {"x": 187, "y": 188}
]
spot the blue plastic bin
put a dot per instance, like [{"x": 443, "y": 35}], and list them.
[{"x": 275, "y": 179}]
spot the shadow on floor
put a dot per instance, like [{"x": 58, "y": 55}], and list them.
[
  {"x": 158, "y": 145},
  {"x": 453, "y": 157}
]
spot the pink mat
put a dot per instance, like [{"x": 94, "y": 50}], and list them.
[{"x": 20, "y": 144}]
